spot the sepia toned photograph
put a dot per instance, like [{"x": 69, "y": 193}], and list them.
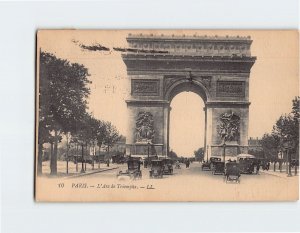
[{"x": 167, "y": 115}]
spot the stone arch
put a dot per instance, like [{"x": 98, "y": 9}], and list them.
[
  {"x": 220, "y": 78},
  {"x": 187, "y": 85}
]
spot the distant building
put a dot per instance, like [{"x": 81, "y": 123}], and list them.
[
  {"x": 119, "y": 146},
  {"x": 254, "y": 144}
]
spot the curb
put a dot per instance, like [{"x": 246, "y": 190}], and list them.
[
  {"x": 283, "y": 177},
  {"x": 89, "y": 173}
]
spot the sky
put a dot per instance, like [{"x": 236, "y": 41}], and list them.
[{"x": 273, "y": 79}]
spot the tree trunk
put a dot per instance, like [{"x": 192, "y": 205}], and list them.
[
  {"x": 99, "y": 158},
  {"x": 86, "y": 155},
  {"x": 93, "y": 157},
  {"x": 82, "y": 158},
  {"x": 108, "y": 156},
  {"x": 51, "y": 157},
  {"x": 54, "y": 155},
  {"x": 67, "y": 156},
  {"x": 40, "y": 159},
  {"x": 76, "y": 157}
]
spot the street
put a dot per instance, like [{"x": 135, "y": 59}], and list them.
[
  {"x": 193, "y": 172},
  {"x": 191, "y": 184}
]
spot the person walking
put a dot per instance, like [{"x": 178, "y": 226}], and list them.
[
  {"x": 187, "y": 163},
  {"x": 257, "y": 167}
]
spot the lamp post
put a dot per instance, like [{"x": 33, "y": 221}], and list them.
[
  {"x": 288, "y": 145},
  {"x": 289, "y": 165},
  {"x": 207, "y": 153},
  {"x": 224, "y": 148},
  {"x": 148, "y": 150},
  {"x": 77, "y": 154},
  {"x": 82, "y": 158}
]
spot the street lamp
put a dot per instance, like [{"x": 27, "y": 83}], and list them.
[
  {"x": 288, "y": 145},
  {"x": 207, "y": 153},
  {"x": 224, "y": 148},
  {"x": 289, "y": 155},
  {"x": 148, "y": 150},
  {"x": 82, "y": 158}
]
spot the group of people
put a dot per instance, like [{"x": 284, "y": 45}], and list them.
[{"x": 187, "y": 163}]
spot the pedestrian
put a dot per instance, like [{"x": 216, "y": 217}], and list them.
[
  {"x": 257, "y": 168},
  {"x": 268, "y": 166},
  {"x": 187, "y": 164},
  {"x": 107, "y": 163}
]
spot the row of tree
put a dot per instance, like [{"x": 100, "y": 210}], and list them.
[
  {"x": 285, "y": 132},
  {"x": 63, "y": 94}
]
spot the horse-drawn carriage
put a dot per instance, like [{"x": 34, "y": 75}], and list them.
[
  {"x": 168, "y": 166},
  {"x": 247, "y": 163},
  {"x": 218, "y": 168},
  {"x": 133, "y": 170},
  {"x": 157, "y": 169},
  {"x": 213, "y": 161},
  {"x": 205, "y": 165},
  {"x": 210, "y": 164},
  {"x": 265, "y": 164},
  {"x": 232, "y": 172}
]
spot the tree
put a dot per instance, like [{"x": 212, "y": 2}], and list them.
[
  {"x": 43, "y": 137},
  {"x": 111, "y": 136},
  {"x": 295, "y": 109},
  {"x": 286, "y": 129},
  {"x": 100, "y": 137},
  {"x": 63, "y": 90},
  {"x": 173, "y": 155},
  {"x": 270, "y": 144},
  {"x": 296, "y": 117},
  {"x": 199, "y": 154}
]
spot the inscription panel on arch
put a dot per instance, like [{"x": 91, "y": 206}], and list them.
[
  {"x": 143, "y": 87},
  {"x": 230, "y": 89}
]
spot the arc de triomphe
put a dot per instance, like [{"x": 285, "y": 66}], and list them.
[{"x": 216, "y": 68}]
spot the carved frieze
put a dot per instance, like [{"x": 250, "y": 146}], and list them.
[
  {"x": 144, "y": 87},
  {"x": 230, "y": 89},
  {"x": 202, "y": 45}
]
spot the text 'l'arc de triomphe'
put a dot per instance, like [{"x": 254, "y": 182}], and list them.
[{"x": 216, "y": 68}]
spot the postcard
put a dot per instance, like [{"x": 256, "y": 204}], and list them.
[{"x": 167, "y": 115}]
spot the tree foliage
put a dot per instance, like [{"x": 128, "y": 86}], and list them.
[
  {"x": 112, "y": 135},
  {"x": 199, "y": 154},
  {"x": 270, "y": 143},
  {"x": 286, "y": 129},
  {"x": 63, "y": 93},
  {"x": 173, "y": 155},
  {"x": 63, "y": 90}
]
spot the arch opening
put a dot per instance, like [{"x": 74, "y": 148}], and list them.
[{"x": 187, "y": 123}]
